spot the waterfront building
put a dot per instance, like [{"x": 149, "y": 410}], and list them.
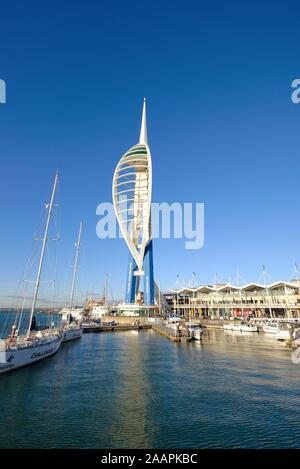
[
  {"x": 96, "y": 308},
  {"x": 131, "y": 192},
  {"x": 279, "y": 299}
]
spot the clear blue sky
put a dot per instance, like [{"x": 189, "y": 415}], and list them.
[{"x": 221, "y": 126}]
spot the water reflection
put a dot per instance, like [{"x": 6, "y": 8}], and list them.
[
  {"x": 133, "y": 419},
  {"x": 121, "y": 390}
]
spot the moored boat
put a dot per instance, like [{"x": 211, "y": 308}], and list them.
[
  {"x": 279, "y": 331},
  {"x": 72, "y": 330},
  {"x": 227, "y": 327},
  {"x": 242, "y": 327},
  {"x": 23, "y": 352},
  {"x": 283, "y": 334},
  {"x": 198, "y": 333},
  {"x": 247, "y": 327},
  {"x": 271, "y": 328},
  {"x": 19, "y": 350}
]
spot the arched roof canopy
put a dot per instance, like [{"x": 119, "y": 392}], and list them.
[
  {"x": 282, "y": 285},
  {"x": 228, "y": 288},
  {"x": 253, "y": 287}
]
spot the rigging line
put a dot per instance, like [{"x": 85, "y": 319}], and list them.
[
  {"x": 111, "y": 293},
  {"x": 41, "y": 221},
  {"x": 54, "y": 281},
  {"x": 48, "y": 254},
  {"x": 5, "y": 326},
  {"x": 21, "y": 311},
  {"x": 27, "y": 267},
  {"x": 56, "y": 223},
  {"x": 22, "y": 288}
]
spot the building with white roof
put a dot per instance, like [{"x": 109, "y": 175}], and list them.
[{"x": 278, "y": 299}]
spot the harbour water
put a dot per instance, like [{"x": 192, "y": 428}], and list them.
[
  {"x": 8, "y": 318},
  {"x": 140, "y": 390}
]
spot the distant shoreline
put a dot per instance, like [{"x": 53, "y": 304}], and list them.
[{"x": 38, "y": 310}]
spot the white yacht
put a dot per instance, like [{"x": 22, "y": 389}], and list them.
[
  {"x": 71, "y": 332},
  {"x": 279, "y": 331},
  {"x": 247, "y": 327},
  {"x": 236, "y": 327},
  {"x": 242, "y": 327},
  {"x": 232, "y": 327},
  {"x": 271, "y": 328},
  {"x": 227, "y": 327},
  {"x": 285, "y": 332},
  {"x": 21, "y": 350}
]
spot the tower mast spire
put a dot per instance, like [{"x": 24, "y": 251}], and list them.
[{"x": 143, "y": 133}]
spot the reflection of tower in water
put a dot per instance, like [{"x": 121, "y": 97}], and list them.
[{"x": 132, "y": 403}]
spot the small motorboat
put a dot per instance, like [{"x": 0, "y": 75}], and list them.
[
  {"x": 296, "y": 333},
  {"x": 198, "y": 333},
  {"x": 247, "y": 327},
  {"x": 242, "y": 327},
  {"x": 236, "y": 327},
  {"x": 285, "y": 332},
  {"x": 271, "y": 328},
  {"x": 109, "y": 324},
  {"x": 91, "y": 326},
  {"x": 279, "y": 331}
]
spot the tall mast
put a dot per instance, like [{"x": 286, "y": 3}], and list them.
[
  {"x": 159, "y": 298},
  {"x": 240, "y": 292},
  {"x": 75, "y": 266},
  {"x": 177, "y": 288},
  {"x": 296, "y": 272},
  {"x": 267, "y": 291},
  {"x": 106, "y": 290},
  {"x": 45, "y": 239}
]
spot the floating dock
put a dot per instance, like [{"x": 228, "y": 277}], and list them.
[
  {"x": 170, "y": 333},
  {"x": 115, "y": 328}
]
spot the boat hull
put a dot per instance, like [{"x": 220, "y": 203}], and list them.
[
  {"x": 283, "y": 335},
  {"x": 195, "y": 331},
  {"x": 270, "y": 330},
  {"x": 19, "y": 356},
  {"x": 72, "y": 334},
  {"x": 249, "y": 328},
  {"x": 198, "y": 335},
  {"x": 239, "y": 328}
]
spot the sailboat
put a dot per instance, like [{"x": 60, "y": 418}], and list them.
[
  {"x": 19, "y": 350},
  {"x": 101, "y": 308},
  {"x": 72, "y": 330}
]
